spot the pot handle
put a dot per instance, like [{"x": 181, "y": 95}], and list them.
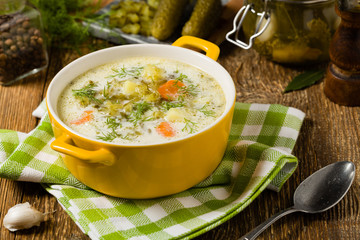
[
  {"x": 63, "y": 144},
  {"x": 212, "y": 50}
]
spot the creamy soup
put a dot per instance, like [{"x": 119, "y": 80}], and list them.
[{"x": 141, "y": 100}]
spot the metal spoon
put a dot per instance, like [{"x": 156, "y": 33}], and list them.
[{"x": 317, "y": 193}]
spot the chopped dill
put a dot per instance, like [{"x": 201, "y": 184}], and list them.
[
  {"x": 86, "y": 95},
  {"x": 187, "y": 90},
  {"x": 112, "y": 123},
  {"x": 110, "y": 136},
  {"x": 106, "y": 92},
  {"x": 191, "y": 89},
  {"x": 182, "y": 77},
  {"x": 206, "y": 111},
  {"x": 124, "y": 72},
  {"x": 166, "y": 105},
  {"x": 137, "y": 114},
  {"x": 189, "y": 127}
]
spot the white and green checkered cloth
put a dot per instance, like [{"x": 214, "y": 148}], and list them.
[{"x": 258, "y": 157}]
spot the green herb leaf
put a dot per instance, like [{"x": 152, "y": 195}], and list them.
[
  {"x": 191, "y": 89},
  {"x": 87, "y": 94},
  {"x": 124, "y": 72},
  {"x": 304, "y": 80},
  {"x": 106, "y": 91},
  {"x": 206, "y": 111},
  {"x": 139, "y": 110},
  {"x": 112, "y": 123},
  {"x": 182, "y": 77},
  {"x": 189, "y": 127},
  {"x": 167, "y": 105},
  {"x": 110, "y": 136}
]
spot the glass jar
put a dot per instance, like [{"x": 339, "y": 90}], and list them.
[
  {"x": 294, "y": 32},
  {"x": 22, "y": 44}
]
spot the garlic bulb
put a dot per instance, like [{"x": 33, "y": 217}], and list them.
[{"x": 22, "y": 216}]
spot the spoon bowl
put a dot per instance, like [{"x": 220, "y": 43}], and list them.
[
  {"x": 317, "y": 193},
  {"x": 324, "y": 188}
]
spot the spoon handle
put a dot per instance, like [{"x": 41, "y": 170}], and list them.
[{"x": 260, "y": 228}]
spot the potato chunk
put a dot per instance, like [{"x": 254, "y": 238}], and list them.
[
  {"x": 152, "y": 73},
  {"x": 129, "y": 87},
  {"x": 175, "y": 115}
]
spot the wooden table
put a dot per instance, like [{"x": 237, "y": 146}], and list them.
[{"x": 330, "y": 133}]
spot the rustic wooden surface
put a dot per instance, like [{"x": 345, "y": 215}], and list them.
[{"x": 330, "y": 133}]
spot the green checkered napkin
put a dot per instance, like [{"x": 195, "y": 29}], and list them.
[{"x": 258, "y": 157}]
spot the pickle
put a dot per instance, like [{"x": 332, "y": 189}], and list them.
[
  {"x": 203, "y": 18},
  {"x": 133, "y": 17},
  {"x": 167, "y": 18}
]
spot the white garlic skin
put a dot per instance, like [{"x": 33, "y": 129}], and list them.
[{"x": 22, "y": 216}]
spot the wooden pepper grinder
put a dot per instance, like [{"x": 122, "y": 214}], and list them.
[{"x": 342, "y": 81}]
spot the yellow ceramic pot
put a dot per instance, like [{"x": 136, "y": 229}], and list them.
[{"x": 148, "y": 170}]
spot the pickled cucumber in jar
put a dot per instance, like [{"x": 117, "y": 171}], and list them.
[
  {"x": 298, "y": 33},
  {"x": 133, "y": 17},
  {"x": 167, "y": 18}
]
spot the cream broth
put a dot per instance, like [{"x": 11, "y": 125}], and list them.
[{"x": 141, "y": 100}]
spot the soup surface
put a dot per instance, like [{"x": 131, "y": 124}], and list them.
[{"x": 141, "y": 100}]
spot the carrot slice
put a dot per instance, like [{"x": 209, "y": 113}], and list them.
[
  {"x": 170, "y": 89},
  {"x": 85, "y": 117},
  {"x": 165, "y": 129}
]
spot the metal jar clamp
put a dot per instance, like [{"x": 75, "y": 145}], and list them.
[{"x": 264, "y": 16}]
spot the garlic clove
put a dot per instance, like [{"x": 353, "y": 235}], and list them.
[
  {"x": 270, "y": 30},
  {"x": 22, "y": 216}
]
